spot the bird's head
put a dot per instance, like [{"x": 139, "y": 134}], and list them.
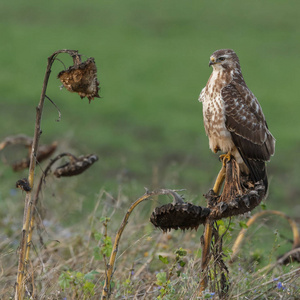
[{"x": 224, "y": 59}]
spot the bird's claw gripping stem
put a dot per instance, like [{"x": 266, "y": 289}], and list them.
[{"x": 225, "y": 158}]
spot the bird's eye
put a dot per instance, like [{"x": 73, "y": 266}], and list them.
[{"x": 222, "y": 58}]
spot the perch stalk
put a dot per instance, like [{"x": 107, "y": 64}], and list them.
[{"x": 207, "y": 236}]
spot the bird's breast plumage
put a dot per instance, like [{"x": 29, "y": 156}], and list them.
[{"x": 214, "y": 112}]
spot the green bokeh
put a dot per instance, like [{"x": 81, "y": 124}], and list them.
[{"x": 152, "y": 59}]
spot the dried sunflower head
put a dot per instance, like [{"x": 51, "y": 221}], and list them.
[
  {"x": 179, "y": 216},
  {"x": 44, "y": 151},
  {"x": 75, "y": 166},
  {"x": 81, "y": 79}
]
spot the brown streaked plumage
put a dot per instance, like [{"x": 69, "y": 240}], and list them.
[{"x": 233, "y": 118}]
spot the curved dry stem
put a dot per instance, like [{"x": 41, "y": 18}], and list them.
[
  {"x": 36, "y": 198},
  {"x": 28, "y": 207},
  {"x": 237, "y": 244},
  {"x": 110, "y": 267}
]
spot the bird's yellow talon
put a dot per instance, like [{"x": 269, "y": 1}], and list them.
[{"x": 225, "y": 158}]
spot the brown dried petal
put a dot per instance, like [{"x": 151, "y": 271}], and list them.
[{"x": 81, "y": 79}]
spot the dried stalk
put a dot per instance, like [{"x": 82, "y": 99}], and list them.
[
  {"x": 28, "y": 207},
  {"x": 36, "y": 198},
  {"x": 237, "y": 244},
  {"x": 110, "y": 266},
  {"x": 207, "y": 236}
]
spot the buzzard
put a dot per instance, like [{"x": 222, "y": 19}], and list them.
[{"x": 233, "y": 118}]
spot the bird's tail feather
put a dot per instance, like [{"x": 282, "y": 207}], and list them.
[{"x": 258, "y": 170}]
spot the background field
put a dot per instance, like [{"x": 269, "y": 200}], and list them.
[{"x": 147, "y": 128}]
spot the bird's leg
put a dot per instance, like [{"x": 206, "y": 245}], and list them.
[
  {"x": 219, "y": 180},
  {"x": 225, "y": 158}
]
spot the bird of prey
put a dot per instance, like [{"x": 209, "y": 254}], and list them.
[{"x": 233, "y": 118}]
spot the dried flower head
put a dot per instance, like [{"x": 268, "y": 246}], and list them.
[
  {"x": 76, "y": 166},
  {"x": 44, "y": 151},
  {"x": 23, "y": 184},
  {"x": 179, "y": 215},
  {"x": 81, "y": 78}
]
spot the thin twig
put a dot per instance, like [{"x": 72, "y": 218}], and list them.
[
  {"x": 61, "y": 62},
  {"x": 207, "y": 235},
  {"x": 59, "y": 113},
  {"x": 36, "y": 197}
]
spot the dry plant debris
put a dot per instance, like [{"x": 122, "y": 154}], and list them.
[
  {"x": 289, "y": 257},
  {"x": 189, "y": 216},
  {"x": 179, "y": 215},
  {"x": 23, "y": 184},
  {"x": 44, "y": 151},
  {"x": 82, "y": 79},
  {"x": 75, "y": 166}
]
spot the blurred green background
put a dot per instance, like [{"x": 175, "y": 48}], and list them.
[{"x": 152, "y": 59}]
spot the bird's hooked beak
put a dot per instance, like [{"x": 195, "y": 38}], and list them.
[{"x": 212, "y": 61}]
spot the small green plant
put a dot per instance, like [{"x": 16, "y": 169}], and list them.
[
  {"x": 163, "y": 279},
  {"x": 80, "y": 284},
  {"x": 104, "y": 247},
  {"x": 128, "y": 284},
  {"x": 164, "y": 285}
]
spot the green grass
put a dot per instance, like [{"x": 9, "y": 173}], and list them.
[
  {"x": 152, "y": 63},
  {"x": 152, "y": 59}
]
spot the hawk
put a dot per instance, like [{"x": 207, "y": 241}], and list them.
[{"x": 233, "y": 119}]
